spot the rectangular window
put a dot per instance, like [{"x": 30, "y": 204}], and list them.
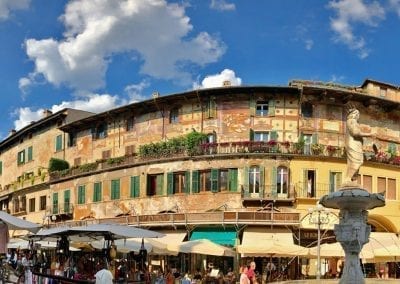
[
  {"x": 130, "y": 123},
  {"x": 205, "y": 180},
  {"x": 97, "y": 188},
  {"x": 335, "y": 180},
  {"x": 129, "y": 150},
  {"x": 391, "y": 189},
  {"x": 72, "y": 139},
  {"x": 155, "y": 185},
  {"x": 81, "y": 194},
  {"x": 21, "y": 157},
  {"x": 30, "y": 153},
  {"x": 55, "y": 203},
  {"x": 223, "y": 179},
  {"x": 135, "y": 186},
  {"x": 210, "y": 110},
  {"x": 176, "y": 182},
  {"x": 43, "y": 202},
  {"x": 262, "y": 108},
  {"x": 367, "y": 182},
  {"x": 23, "y": 203},
  {"x": 261, "y": 136},
  {"x": 383, "y": 92},
  {"x": 32, "y": 202},
  {"x": 100, "y": 131},
  {"x": 381, "y": 184},
  {"x": 115, "y": 189},
  {"x": 59, "y": 145},
  {"x": 67, "y": 201}
]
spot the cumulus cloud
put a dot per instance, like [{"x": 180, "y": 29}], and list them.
[
  {"x": 350, "y": 13},
  {"x": 92, "y": 102},
  {"x": 222, "y": 5},
  {"x": 395, "y": 5},
  {"x": 135, "y": 91},
  {"x": 217, "y": 80},
  {"x": 159, "y": 33},
  {"x": 6, "y": 6}
]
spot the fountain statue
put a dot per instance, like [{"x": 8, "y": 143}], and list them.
[{"x": 353, "y": 201}]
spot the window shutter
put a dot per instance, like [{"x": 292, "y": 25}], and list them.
[
  {"x": 135, "y": 182},
  {"x": 213, "y": 108},
  {"x": 274, "y": 135},
  {"x": 246, "y": 180},
  {"x": 170, "y": 183},
  {"x": 115, "y": 189},
  {"x": 1, "y": 167},
  {"x": 214, "y": 180},
  {"x": 331, "y": 182},
  {"x": 251, "y": 135},
  {"x": 233, "y": 175},
  {"x": 262, "y": 180},
  {"x": 338, "y": 179},
  {"x": 55, "y": 203},
  {"x": 274, "y": 190},
  {"x": 59, "y": 143},
  {"x": 30, "y": 153},
  {"x": 195, "y": 181},
  {"x": 97, "y": 192},
  {"x": 305, "y": 182},
  {"x": 252, "y": 105},
  {"x": 67, "y": 196},
  {"x": 392, "y": 148},
  {"x": 271, "y": 107},
  {"x": 314, "y": 138},
  {"x": 187, "y": 182},
  {"x": 160, "y": 184}
]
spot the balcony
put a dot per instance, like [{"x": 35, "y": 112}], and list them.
[
  {"x": 60, "y": 211},
  {"x": 321, "y": 189},
  {"x": 270, "y": 217}
]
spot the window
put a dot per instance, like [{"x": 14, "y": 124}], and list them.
[
  {"x": 210, "y": 108},
  {"x": 106, "y": 154},
  {"x": 205, "y": 180},
  {"x": 178, "y": 182},
  {"x": 367, "y": 183},
  {"x": 262, "y": 108},
  {"x": 130, "y": 123},
  {"x": 23, "y": 203},
  {"x": 335, "y": 180},
  {"x": 282, "y": 180},
  {"x": 254, "y": 179},
  {"x": 387, "y": 185},
  {"x": 81, "y": 194},
  {"x": 155, "y": 184},
  {"x": 43, "y": 202},
  {"x": 383, "y": 92},
  {"x": 55, "y": 203},
  {"x": 135, "y": 186},
  {"x": 130, "y": 150},
  {"x": 21, "y": 157},
  {"x": 59, "y": 145},
  {"x": 97, "y": 191},
  {"x": 100, "y": 131},
  {"x": 67, "y": 201},
  {"x": 174, "y": 115},
  {"x": 30, "y": 153},
  {"x": 307, "y": 110},
  {"x": 309, "y": 180},
  {"x": 308, "y": 139},
  {"x": 72, "y": 139},
  {"x": 32, "y": 202},
  {"x": 261, "y": 136},
  {"x": 115, "y": 189}
]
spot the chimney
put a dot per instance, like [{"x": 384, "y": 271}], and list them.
[
  {"x": 226, "y": 83},
  {"x": 12, "y": 132},
  {"x": 47, "y": 113}
]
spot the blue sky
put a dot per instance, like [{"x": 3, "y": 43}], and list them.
[{"x": 99, "y": 54}]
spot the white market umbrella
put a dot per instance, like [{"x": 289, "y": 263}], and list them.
[
  {"x": 15, "y": 223},
  {"x": 134, "y": 245},
  {"x": 202, "y": 246}
]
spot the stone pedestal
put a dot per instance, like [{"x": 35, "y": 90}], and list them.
[{"x": 352, "y": 232}]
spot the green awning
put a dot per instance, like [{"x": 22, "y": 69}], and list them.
[{"x": 221, "y": 236}]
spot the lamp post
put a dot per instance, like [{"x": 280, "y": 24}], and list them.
[{"x": 319, "y": 216}]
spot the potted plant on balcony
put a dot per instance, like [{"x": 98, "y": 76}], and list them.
[
  {"x": 272, "y": 146},
  {"x": 317, "y": 149},
  {"x": 331, "y": 150}
]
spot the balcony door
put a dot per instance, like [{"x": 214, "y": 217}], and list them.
[{"x": 282, "y": 182}]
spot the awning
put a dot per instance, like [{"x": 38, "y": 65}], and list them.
[
  {"x": 15, "y": 223},
  {"x": 264, "y": 242},
  {"x": 172, "y": 237},
  {"x": 221, "y": 236},
  {"x": 203, "y": 246}
]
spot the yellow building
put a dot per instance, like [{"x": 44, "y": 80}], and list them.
[{"x": 268, "y": 154}]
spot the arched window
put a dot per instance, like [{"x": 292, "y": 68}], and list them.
[
  {"x": 282, "y": 180},
  {"x": 174, "y": 115}
]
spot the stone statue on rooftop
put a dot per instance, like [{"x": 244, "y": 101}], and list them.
[{"x": 354, "y": 146}]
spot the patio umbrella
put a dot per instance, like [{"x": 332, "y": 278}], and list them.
[
  {"x": 273, "y": 248},
  {"x": 134, "y": 245},
  {"x": 15, "y": 223},
  {"x": 202, "y": 246},
  {"x": 336, "y": 250},
  {"x": 24, "y": 244}
]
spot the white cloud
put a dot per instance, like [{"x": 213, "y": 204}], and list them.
[
  {"x": 6, "y": 6},
  {"x": 350, "y": 12},
  {"x": 134, "y": 91},
  {"x": 336, "y": 78},
  {"x": 395, "y": 5},
  {"x": 95, "y": 30},
  {"x": 217, "y": 80},
  {"x": 309, "y": 43},
  {"x": 92, "y": 102},
  {"x": 222, "y": 5}
]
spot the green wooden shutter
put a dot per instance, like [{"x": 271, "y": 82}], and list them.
[
  {"x": 195, "y": 181},
  {"x": 81, "y": 194},
  {"x": 274, "y": 190},
  {"x": 212, "y": 108},
  {"x": 214, "y": 180},
  {"x": 30, "y": 153},
  {"x": 338, "y": 179},
  {"x": 67, "y": 201},
  {"x": 170, "y": 183},
  {"x": 59, "y": 143},
  {"x": 273, "y": 135},
  {"x": 115, "y": 189},
  {"x": 246, "y": 180},
  {"x": 135, "y": 186},
  {"x": 251, "y": 135},
  {"x": 392, "y": 148},
  {"x": 187, "y": 182},
  {"x": 314, "y": 138},
  {"x": 55, "y": 203},
  {"x": 160, "y": 184},
  {"x": 262, "y": 181},
  {"x": 271, "y": 107},
  {"x": 233, "y": 176},
  {"x": 252, "y": 106},
  {"x": 97, "y": 192}
]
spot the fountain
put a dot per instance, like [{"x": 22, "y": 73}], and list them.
[{"x": 353, "y": 201}]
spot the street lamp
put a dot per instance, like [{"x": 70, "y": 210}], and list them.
[{"x": 318, "y": 216}]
